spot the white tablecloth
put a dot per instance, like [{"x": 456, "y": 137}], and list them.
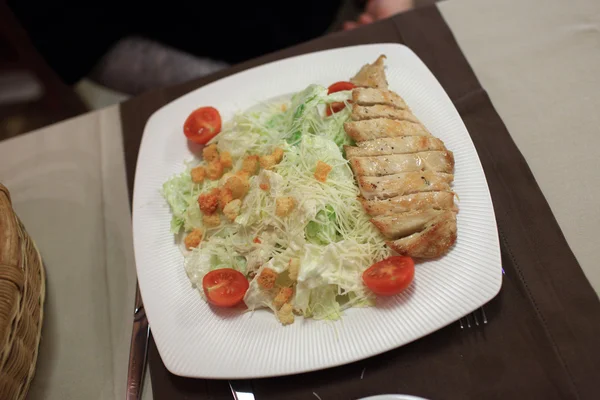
[
  {"x": 67, "y": 184},
  {"x": 539, "y": 60}
]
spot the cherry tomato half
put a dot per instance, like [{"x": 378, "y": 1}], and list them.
[
  {"x": 339, "y": 86},
  {"x": 202, "y": 125},
  {"x": 390, "y": 276},
  {"x": 334, "y": 107},
  {"x": 225, "y": 287}
]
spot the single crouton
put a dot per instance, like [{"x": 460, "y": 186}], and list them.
[
  {"x": 267, "y": 278},
  {"x": 225, "y": 159},
  {"x": 284, "y": 206},
  {"x": 250, "y": 164},
  {"x": 285, "y": 314},
  {"x": 294, "y": 268},
  {"x": 209, "y": 202},
  {"x": 243, "y": 174},
  {"x": 238, "y": 186},
  {"x": 193, "y": 239},
  {"x": 212, "y": 220},
  {"x": 322, "y": 170},
  {"x": 278, "y": 154},
  {"x": 232, "y": 209},
  {"x": 283, "y": 296},
  {"x": 210, "y": 153},
  {"x": 214, "y": 170},
  {"x": 268, "y": 162},
  {"x": 198, "y": 174},
  {"x": 225, "y": 196}
]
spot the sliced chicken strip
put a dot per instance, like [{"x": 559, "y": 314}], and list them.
[
  {"x": 384, "y": 187},
  {"x": 439, "y": 161},
  {"x": 396, "y": 226},
  {"x": 360, "y": 113},
  {"x": 397, "y": 145},
  {"x": 409, "y": 202},
  {"x": 381, "y": 128},
  {"x": 433, "y": 241},
  {"x": 372, "y": 75},
  {"x": 370, "y": 97}
]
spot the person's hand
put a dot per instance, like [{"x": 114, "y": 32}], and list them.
[{"x": 379, "y": 9}]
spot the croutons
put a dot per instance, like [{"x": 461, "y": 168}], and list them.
[
  {"x": 214, "y": 170},
  {"x": 283, "y": 296},
  {"x": 210, "y": 153},
  {"x": 278, "y": 154},
  {"x": 284, "y": 206},
  {"x": 238, "y": 186},
  {"x": 198, "y": 174},
  {"x": 193, "y": 239},
  {"x": 267, "y": 278},
  {"x": 268, "y": 162},
  {"x": 245, "y": 175},
  {"x": 225, "y": 158},
  {"x": 225, "y": 196},
  {"x": 250, "y": 164},
  {"x": 232, "y": 209},
  {"x": 208, "y": 202},
  {"x": 294, "y": 268},
  {"x": 322, "y": 170},
  {"x": 285, "y": 315},
  {"x": 212, "y": 220}
]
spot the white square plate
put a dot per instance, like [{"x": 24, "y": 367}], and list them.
[{"x": 196, "y": 341}]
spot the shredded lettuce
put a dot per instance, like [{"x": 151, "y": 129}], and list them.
[
  {"x": 182, "y": 195},
  {"x": 323, "y": 229},
  {"x": 328, "y": 231}
]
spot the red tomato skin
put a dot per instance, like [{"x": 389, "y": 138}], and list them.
[
  {"x": 339, "y": 86},
  {"x": 231, "y": 293},
  {"x": 202, "y": 125},
  {"x": 390, "y": 276},
  {"x": 334, "y": 108}
]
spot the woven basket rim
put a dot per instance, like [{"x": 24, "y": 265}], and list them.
[{"x": 20, "y": 253}]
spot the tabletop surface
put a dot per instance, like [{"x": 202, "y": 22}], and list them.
[{"x": 526, "y": 70}]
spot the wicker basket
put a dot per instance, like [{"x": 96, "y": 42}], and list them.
[{"x": 22, "y": 292}]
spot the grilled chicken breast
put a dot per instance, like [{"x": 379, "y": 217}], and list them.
[
  {"x": 439, "y": 161},
  {"x": 396, "y": 226},
  {"x": 381, "y": 128},
  {"x": 372, "y": 75},
  {"x": 397, "y": 145},
  {"x": 403, "y": 172},
  {"x": 360, "y": 113},
  {"x": 384, "y": 187},
  {"x": 371, "y": 97},
  {"x": 433, "y": 241},
  {"x": 409, "y": 202}
]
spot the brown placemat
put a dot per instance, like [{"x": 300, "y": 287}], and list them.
[{"x": 543, "y": 336}]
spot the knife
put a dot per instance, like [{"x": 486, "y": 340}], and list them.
[
  {"x": 241, "y": 390},
  {"x": 138, "y": 351}
]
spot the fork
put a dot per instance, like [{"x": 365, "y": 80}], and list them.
[{"x": 465, "y": 322}]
